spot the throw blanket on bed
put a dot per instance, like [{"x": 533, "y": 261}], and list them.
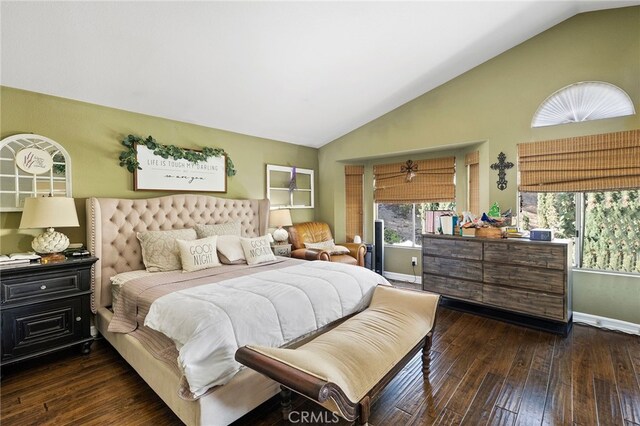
[
  {"x": 209, "y": 322},
  {"x": 137, "y": 295}
]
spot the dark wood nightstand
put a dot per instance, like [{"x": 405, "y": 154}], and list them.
[
  {"x": 282, "y": 249},
  {"x": 45, "y": 307}
]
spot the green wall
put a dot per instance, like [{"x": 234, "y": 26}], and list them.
[
  {"x": 92, "y": 134},
  {"x": 488, "y": 108},
  {"x": 493, "y": 104}
]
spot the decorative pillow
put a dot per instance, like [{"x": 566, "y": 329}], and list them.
[
  {"x": 257, "y": 250},
  {"x": 159, "y": 248},
  {"x": 229, "y": 228},
  {"x": 340, "y": 250},
  {"x": 230, "y": 250},
  {"x": 198, "y": 254},
  {"x": 329, "y": 246}
]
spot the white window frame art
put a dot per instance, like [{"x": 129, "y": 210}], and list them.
[{"x": 23, "y": 184}]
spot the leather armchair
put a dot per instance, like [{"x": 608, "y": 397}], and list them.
[{"x": 316, "y": 232}]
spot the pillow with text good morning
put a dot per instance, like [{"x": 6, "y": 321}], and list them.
[{"x": 257, "y": 250}]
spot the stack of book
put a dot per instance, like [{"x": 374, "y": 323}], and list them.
[{"x": 17, "y": 258}]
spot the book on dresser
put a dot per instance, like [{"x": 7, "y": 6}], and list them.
[
  {"x": 18, "y": 258},
  {"x": 527, "y": 282}
]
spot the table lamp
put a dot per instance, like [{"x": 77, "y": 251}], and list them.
[
  {"x": 278, "y": 219},
  {"x": 49, "y": 212}
]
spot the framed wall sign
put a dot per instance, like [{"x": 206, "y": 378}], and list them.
[{"x": 167, "y": 174}]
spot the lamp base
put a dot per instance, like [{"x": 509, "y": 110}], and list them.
[
  {"x": 50, "y": 241},
  {"x": 280, "y": 235},
  {"x": 52, "y": 258}
]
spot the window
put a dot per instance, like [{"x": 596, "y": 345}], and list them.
[
  {"x": 611, "y": 234},
  {"x": 608, "y": 223},
  {"x": 403, "y": 222}
]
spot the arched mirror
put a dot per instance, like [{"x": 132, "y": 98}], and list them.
[{"x": 30, "y": 166}]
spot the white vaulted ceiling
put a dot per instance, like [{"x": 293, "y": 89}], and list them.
[{"x": 300, "y": 72}]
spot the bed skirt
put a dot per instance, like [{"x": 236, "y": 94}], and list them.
[{"x": 221, "y": 406}]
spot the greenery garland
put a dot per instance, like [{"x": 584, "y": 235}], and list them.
[{"x": 129, "y": 159}]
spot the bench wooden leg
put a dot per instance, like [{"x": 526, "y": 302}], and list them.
[
  {"x": 365, "y": 410},
  {"x": 426, "y": 355},
  {"x": 285, "y": 402}
]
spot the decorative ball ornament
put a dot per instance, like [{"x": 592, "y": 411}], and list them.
[
  {"x": 50, "y": 241},
  {"x": 280, "y": 235}
]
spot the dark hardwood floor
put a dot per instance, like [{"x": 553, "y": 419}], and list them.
[{"x": 482, "y": 372}]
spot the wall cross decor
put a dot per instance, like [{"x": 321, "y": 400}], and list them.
[
  {"x": 410, "y": 168},
  {"x": 501, "y": 166}
]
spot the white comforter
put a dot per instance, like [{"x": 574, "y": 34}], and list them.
[{"x": 209, "y": 323}]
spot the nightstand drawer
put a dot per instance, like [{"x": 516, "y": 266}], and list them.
[
  {"x": 40, "y": 286},
  {"x": 30, "y": 329}
]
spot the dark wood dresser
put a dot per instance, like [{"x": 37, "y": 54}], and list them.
[
  {"x": 45, "y": 307},
  {"x": 522, "y": 281}
]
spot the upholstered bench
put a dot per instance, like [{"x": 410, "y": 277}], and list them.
[{"x": 344, "y": 368}]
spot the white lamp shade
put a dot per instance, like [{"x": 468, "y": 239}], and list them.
[
  {"x": 279, "y": 218},
  {"x": 49, "y": 212}
]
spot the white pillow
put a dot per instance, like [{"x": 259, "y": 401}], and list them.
[
  {"x": 159, "y": 248},
  {"x": 329, "y": 246},
  {"x": 228, "y": 228},
  {"x": 230, "y": 249},
  {"x": 340, "y": 250},
  {"x": 257, "y": 250},
  {"x": 198, "y": 254}
]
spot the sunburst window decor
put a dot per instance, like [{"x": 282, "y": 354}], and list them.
[{"x": 583, "y": 101}]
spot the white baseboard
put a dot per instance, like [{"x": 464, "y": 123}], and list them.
[
  {"x": 402, "y": 277},
  {"x": 606, "y": 323}
]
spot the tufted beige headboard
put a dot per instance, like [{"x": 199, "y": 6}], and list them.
[{"x": 112, "y": 224}]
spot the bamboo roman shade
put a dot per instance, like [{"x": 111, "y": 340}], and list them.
[
  {"x": 353, "y": 178},
  {"x": 434, "y": 181},
  {"x": 472, "y": 161},
  {"x": 604, "y": 162}
]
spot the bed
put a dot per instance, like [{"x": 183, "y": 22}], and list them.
[{"x": 112, "y": 225}]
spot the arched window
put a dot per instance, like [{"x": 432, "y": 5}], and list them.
[
  {"x": 584, "y": 101},
  {"x": 32, "y": 165}
]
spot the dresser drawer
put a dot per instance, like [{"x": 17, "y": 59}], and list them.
[
  {"x": 460, "y": 248},
  {"x": 40, "y": 327},
  {"x": 465, "y": 269},
  {"x": 545, "y": 280},
  {"x": 452, "y": 287},
  {"x": 527, "y": 254},
  {"x": 40, "y": 286},
  {"x": 537, "y": 304}
]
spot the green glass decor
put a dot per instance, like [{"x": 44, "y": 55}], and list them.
[
  {"x": 129, "y": 159},
  {"x": 494, "y": 211}
]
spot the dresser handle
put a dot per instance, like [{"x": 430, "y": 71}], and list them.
[
  {"x": 78, "y": 319},
  {"x": 43, "y": 287}
]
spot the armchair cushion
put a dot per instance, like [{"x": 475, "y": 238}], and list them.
[
  {"x": 329, "y": 246},
  {"x": 304, "y": 235}
]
